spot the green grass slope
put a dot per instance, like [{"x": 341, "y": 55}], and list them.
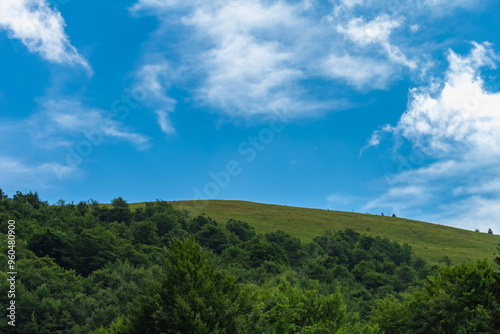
[{"x": 429, "y": 241}]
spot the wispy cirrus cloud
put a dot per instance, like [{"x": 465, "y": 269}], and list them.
[
  {"x": 40, "y": 28},
  {"x": 358, "y": 71},
  {"x": 67, "y": 121},
  {"x": 16, "y": 173},
  {"x": 153, "y": 81},
  {"x": 42, "y": 147}
]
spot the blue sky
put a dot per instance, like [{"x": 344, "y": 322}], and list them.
[{"x": 356, "y": 105}]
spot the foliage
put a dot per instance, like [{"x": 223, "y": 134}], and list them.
[
  {"x": 91, "y": 268},
  {"x": 460, "y": 299}
]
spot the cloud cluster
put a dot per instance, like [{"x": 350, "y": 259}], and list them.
[
  {"x": 41, "y": 29},
  {"x": 454, "y": 122},
  {"x": 251, "y": 58}
]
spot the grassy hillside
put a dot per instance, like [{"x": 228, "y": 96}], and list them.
[{"x": 429, "y": 241}]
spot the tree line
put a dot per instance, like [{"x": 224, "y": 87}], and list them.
[{"x": 90, "y": 268}]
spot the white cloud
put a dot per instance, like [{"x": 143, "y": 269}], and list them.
[
  {"x": 165, "y": 122},
  {"x": 244, "y": 76},
  {"x": 454, "y": 123},
  {"x": 460, "y": 115},
  {"x": 41, "y": 30},
  {"x": 66, "y": 121},
  {"x": 341, "y": 201},
  {"x": 161, "y": 4},
  {"x": 359, "y": 72},
  {"x": 51, "y": 144},
  {"x": 375, "y": 31},
  {"x": 352, "y": 3},
  {"x": 378, "y": 32},
  {"x": 252, "y": 65},
  {"x": 19, "y": 174},
  {"x": 247, "y": 65},
  {"x": 408, "y": 7},
  {"x": 154, "y": 80},
  {"x": 443, "y": 5},
  {"x": 400, "y": 198},
  {"x": 248, "y": 72},
  {"x": 473, "y": 212}
]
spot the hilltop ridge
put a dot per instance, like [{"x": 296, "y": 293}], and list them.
[{"x": 430, "y": 241}]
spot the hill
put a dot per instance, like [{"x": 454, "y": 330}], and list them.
[{"x": 430, "y": 241}]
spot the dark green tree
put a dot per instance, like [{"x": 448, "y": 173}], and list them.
[
  {"x": 461, "y": 299},
  {"x": 119, "y": 203},
  {"x": 243, "y": 230},
  {"x": 120, "y": 211},
  {"x": 215, "y": 237},
  {"x": 193, "y": 296},
  {"x": 55, "y": 244},
  {"x": 82, "y": 208},
  {"x": 145, "y": 232}
]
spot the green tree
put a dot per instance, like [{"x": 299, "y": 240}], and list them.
[
  {"x": 200, "y": 221},
  {"x": 460, "y": 299},
  {"x": 119, "y": 203},
  {"x": 145, "y": 232},
  {"x": 57, "y": 245},
  {"x": 82, "y": 208},
  {"x": 291, "y": 245},
  {"x": 94, "y": 249},
  {"x": 215, "y": 237},
  {"x": 286, "y": 309},
  {"x": 262, "y": 250},
  {"x": 243, "y": 230},
  {"x": 193, "y": 296}
]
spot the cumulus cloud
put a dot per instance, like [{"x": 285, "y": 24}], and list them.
[
  {"x": 41, "y": 29},
  {"x": 454, "y": 123},
  {"x": 458, "y": 114}
]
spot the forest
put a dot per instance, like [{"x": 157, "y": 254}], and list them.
[{"x": 93, "y": 268}]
